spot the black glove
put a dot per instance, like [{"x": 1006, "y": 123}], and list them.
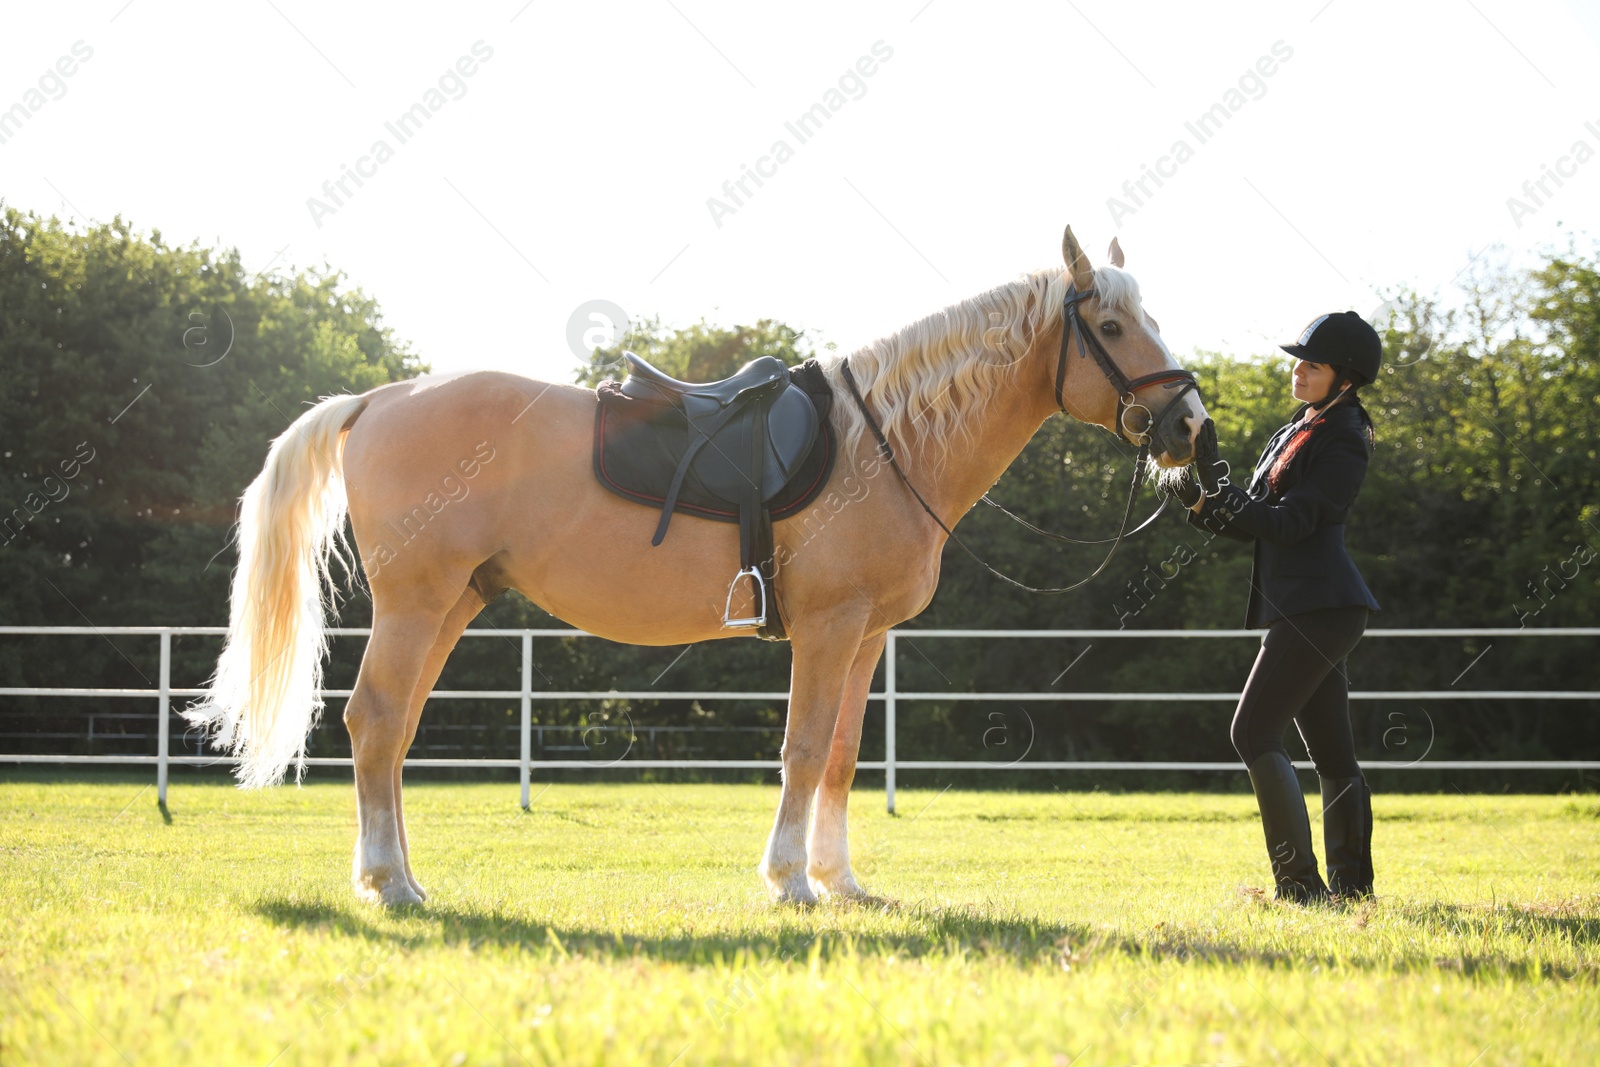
[
  {"x": 1209, "y": 466},
  {"x": 1183, "y": 487}
]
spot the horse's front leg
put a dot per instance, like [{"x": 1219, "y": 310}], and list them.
[
  {"x": 829, "y": 847},
  {"x": 824, "y": 649}
]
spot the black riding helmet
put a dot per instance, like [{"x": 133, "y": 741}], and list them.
[{"x": 1344, "y": 341}]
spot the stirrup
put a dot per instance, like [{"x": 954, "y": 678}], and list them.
[{"x": 760, "y": 618}]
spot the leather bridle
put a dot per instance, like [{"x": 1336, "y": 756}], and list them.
[{"x": 1073, "y": 326}]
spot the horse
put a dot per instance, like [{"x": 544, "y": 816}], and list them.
[{"x": 458, "y": 488}]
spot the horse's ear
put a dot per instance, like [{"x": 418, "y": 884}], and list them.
[
  {"x": 1115, "y": 253},
  {"x": 1077, "y": 262}
]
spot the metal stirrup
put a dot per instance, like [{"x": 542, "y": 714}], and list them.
[{"x": 758, "y": 619}]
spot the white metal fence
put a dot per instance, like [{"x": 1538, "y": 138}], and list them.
[{"x": 890, "y": 697}]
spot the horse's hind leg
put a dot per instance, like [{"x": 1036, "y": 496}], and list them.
[
  {"x": 823, "y": 653},
  {"x": 464, "y": 612},
  {"x": 377, "y": 716},
  {"x": 829, "y": 847}
]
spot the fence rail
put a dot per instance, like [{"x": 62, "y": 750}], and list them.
[{"x": 890, "y": 696}]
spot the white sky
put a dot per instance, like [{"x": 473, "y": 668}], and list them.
[{"x": 578, "y": 163}]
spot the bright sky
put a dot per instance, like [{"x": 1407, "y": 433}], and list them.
[{"x": 1357, "y": 145}]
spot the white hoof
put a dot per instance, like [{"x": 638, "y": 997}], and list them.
[
  {"x": 791, "y": 888},
  {"x": 389, "y": 893},
  {"x": 381, "y": 875},
  {"x": 838, "y": 885},
  {"x": 387, "y": 888}
]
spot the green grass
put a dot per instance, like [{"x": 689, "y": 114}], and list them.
[{"x": 625, "y": 924}]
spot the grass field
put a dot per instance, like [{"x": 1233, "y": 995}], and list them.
[{"x": 625, "y": 924}]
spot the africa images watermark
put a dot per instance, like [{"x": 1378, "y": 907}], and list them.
[
  {"x": 741, "y": 991},
  {"x": 1252, "y": 85},
  {"x": 1538, "y": 191},
  {"x": 596, "y": 327},
  {"x": 51, "y": 85},
  {"x": 197, "y": 339},
  {"x": 52, "y": 490},
  {"x": 1540, "y": 587},
  {"x": 452, "y": 490},
  {"x": 403, "y": 128},
  {"x": 1139, "y": 587},
  {"x": 804, "y": 127}
]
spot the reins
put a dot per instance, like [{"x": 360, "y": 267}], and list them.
[
  {"x": 888, "y": 453},
  {"x": 1053, "y": 536},
  {"x": 1072, "y": 327}
]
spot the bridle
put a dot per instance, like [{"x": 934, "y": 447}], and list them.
[{"x": 1072, "y": 326}]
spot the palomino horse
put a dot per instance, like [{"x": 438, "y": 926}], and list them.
[{"x": 459, "y": 488}]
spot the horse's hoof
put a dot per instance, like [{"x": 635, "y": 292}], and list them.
[
  {"x": 792, "y": 890},
  {"x": 416, "y": 886},
  {"x": 804, "y": 899},
  {"x": 400, "y": 895},
  {"x": 845, "y": 887},
  {"x": 393, "y": 893}
]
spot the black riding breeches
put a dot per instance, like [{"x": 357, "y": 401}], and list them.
[{"x": 1300, "y": 675}]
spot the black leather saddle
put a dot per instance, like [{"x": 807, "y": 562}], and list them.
[
  {"x": 744, "y": 449},
  {"x": 756, "y": 377}
]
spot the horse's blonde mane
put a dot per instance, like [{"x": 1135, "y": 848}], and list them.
[{"x": 930, "y": 379}]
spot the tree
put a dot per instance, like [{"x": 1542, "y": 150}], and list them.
[{"x": 142, "y": 384}]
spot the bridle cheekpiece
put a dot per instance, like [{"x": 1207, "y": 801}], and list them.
[{"x": 1127, "y": 388}]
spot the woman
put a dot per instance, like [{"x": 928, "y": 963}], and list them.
[{"x": 1310, "y": 598}]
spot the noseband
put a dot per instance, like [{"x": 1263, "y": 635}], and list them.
[{"x": 1089, "y": 344}]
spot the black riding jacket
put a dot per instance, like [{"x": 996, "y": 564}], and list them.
[{"x": 1300, "y": 559}]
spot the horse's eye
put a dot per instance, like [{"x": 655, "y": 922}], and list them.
[{"x": 1110, "y": 328}]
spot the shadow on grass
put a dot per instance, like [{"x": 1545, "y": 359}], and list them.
[
  {"x": 1574, "y": 921},
  {"x": 948, "y": 932},
  {"x": 941, "y": 932}
]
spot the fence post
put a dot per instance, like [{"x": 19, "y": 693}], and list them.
[
  {"x": 888, "y": 720},
  {"x": 163, "y": 730},
  {"x": 527, "y": 713}
]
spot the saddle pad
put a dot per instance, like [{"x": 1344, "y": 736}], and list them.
[{"x": 638, "y": 443}]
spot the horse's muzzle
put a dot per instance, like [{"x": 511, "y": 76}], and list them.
[{"x": 1176, "y": 434}]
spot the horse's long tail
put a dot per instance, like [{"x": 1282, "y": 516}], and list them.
[{"x": 263, "y": 699}]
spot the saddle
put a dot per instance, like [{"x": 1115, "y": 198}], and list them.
[{"x": 750, "y": 448}]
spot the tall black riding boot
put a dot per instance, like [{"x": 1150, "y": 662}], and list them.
[
  {"x": 1347, "y": 835},
  {"x": 1288, "y": 829}
]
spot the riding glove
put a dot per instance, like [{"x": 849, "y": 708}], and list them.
[{"x": 1208, "y": 462}]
